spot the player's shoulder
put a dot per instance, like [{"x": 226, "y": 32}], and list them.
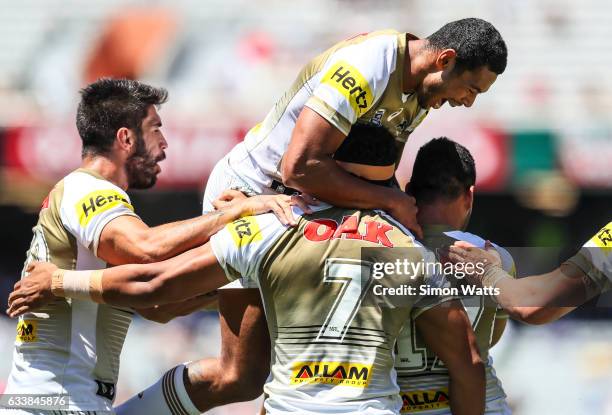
[
  {"x": 87, "y": 194},
  {"x": 83, "y": 182},
  {"x": 476, "y": 240}
]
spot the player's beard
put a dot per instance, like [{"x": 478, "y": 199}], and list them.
[{"x": 141, "y": 166}]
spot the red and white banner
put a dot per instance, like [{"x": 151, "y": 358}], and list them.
[{"x": 50, "y": 152}]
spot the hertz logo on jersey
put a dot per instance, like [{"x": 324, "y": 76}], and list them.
[
  {"x": 424, "y": 400},
  {"x": 603, "y": 238},
  {"x": 349, "y": 82},
  {"x": 332, "y": 373},
  {"x": 97, "y": 202},
  {"x": 244, "y": 231},
  {"x": 26, "y": 331}
]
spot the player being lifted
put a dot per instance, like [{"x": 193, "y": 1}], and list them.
[
  {"x": 442, "y": 182},
  {"x": 72, "y": 347},
  {"x": 383, "y": 78}
]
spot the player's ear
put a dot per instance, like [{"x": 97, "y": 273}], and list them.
[
  {"x": 125, "y": 139},
  {"x": 446, "y": 59},
  {"x": 470, "y": 196}
]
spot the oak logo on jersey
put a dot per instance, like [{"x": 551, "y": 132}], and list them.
[
  {"x": 347, "y": 80},
  {"x": 603, "y": 238},
  {"x": 332, "y": 373},
  {"x": 27, "y": 331},
  {"x": 244, "y": 231},
  {"x": 424, "y": 400},
  {"x": 320, "y": 230},
  {"x": 97, "y": 202}
]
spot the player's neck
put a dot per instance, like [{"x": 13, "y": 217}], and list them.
[
  {"x": 437, "y": 213},
  {"x": 110, "y": 169},
  {"x": 416, "y": 64}
]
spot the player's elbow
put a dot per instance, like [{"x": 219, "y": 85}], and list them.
[
  {"x": 246, "y": 381},
  {"x": 536, "y": 315},
  {"x": 156, "y": 315},
  {"x": 244, "y": 385},
  {"x": 291, "y": 172},
  {"x": 148, "y": 250}
]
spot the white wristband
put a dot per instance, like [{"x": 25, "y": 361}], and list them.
[{"x": 80, "y": 285}]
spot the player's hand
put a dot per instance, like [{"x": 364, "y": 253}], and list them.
[
  {"x": 33, "y": 291},
  {"x": 280, "y": 205},
  {"x": 403, "y": 208},
  {"x": 481, "y": 259},
  {"x": 227, "y": 197}
]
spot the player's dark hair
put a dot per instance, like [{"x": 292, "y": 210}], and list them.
[
  {"x": 476, "y": 42},
  {"x": 110, "y": 104},
  {"x": 368, "y": 144},
  {"x": 443, "y": 169}
]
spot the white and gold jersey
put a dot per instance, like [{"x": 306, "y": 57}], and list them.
[
  {"x": 332, "y": 331},
  {"x": 422, "y": 376},
  {"x": 595, "y": 259},
  {"x": 357, "y": 80},
  {"x": 72, "y": 347}
]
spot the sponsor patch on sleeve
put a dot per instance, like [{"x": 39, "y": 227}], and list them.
[
  {"x": 98, "y": 202},
  {"x": 603, "y": 238},
  {"x": 27, "y": 331},
  {"x": 349, "y": 82},
  {"x": 244, "y": 231}
]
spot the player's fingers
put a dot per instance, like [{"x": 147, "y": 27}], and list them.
[
  {"x": 299, "y": 201},
  {"x": 218, "y": 204},
  {"x": 14, "y": 296},
  {"x": 17, "y": 304},
  {"x": 457, "y": 252},
  {"x": 18, "y": 311},
  {"x": 286, "y": 207},
  {"x": 17, "y": 285},
  {"x": 230, "y": 195},
  {"x": 30, "y": 266},
  {"x": 279, "y": 212}
]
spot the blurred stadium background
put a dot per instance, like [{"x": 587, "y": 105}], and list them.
[{"x": 542, "y": 140}]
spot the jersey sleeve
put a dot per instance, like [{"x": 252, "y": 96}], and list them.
[
  {"x": 241, "y": 245},
  {"x": 353, "y": 79},
  {"x": 595, "y": 259},
  {"x": 89, "y": 204}
]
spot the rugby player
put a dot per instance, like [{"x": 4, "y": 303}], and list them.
[
  {"x": 541, "y": 299},
  {"x": 383, "y": 78},
  {"x": 442, "y": 182},
  {"x": 332, "y": 336},
  {"x": 71, "y": 347},
  {"x": 205, "y": 396}
]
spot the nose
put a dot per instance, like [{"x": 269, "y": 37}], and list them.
[
  {"x": 163, "y": 143},
  {"x": 468, "y": 101}
]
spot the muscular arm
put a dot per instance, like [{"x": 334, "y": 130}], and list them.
[
  {"x": 540, "y": 299},
  {"x": 190, "y": 274},
  {"x": 127, "y": 239},
  {"x": 165, "y": 313},
  {"x": 308, "y": 166},
  {"x": 536, "y": 299},
  {"x": 447, "y": 331}
]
